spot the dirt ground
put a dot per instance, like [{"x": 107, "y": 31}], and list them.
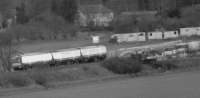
[
  {"x": 46, "y": 46},
  {"x": 179, "y": 85}
]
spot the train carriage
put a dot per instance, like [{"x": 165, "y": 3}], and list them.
[
  {"x": 93, "y": 53},
  {"x": 30, "y": 59},
  {"x": 58, "y": 57},
  {"x": 66, "y": 56}
]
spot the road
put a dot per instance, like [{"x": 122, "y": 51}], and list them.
[{"x": 180, "y": 85}]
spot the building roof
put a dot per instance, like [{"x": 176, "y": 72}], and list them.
[
  {"x": 92, "y": 9},
  {"x": 138, "y": 13}
]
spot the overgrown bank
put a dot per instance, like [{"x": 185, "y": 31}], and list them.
[
  {"x": 46, "y": 76},
  {"x": 111, "y": 67}
]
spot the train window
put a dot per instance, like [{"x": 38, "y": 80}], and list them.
[
  {"x": 141, "y": 34},
  {"x": 175, "y": 32}
]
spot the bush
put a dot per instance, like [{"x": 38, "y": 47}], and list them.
[
  {"x": 172, "y": 13},
  {"x": 187, "y": 62},
  {"x": 14, "y": 80},
  {"x": 39, "y": 77},
  {"x": 95, "y": 70},
  {"x": 165, "y": 65},
  {"x": 45, "y": 76},
  {"x": 113, "y": 40},
  {"x": 123, "y": 65}
]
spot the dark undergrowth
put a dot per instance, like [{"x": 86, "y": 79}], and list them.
[{"x": 45, "y": 76}]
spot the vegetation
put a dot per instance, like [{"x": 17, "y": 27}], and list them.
[
  {"x": 123, "y": 65},
  {"x": 44, "y": 19},
  {"x": 56, "y": 17},
  {"x": 17, "y": 79},
  {"x": 6, "y": 52},
  {"x": 21, "y": 14},
  {"x": 164, "y": 65},
  {"x": 44, "y": 77},
  {"x": 136, "y": 66}
]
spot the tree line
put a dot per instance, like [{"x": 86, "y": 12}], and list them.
[{"x": 31, "y": 8}]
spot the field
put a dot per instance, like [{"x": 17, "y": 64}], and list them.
[{"x": 179, "y": 85}]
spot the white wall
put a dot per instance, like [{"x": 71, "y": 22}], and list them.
[
  {"x": 187, "y": 31},
  {"x": 155, "y": 35},
  {"x": 130, "y": 37},
  {"x": 171, "y": 34},
  {"x": 197, "y": 31}
]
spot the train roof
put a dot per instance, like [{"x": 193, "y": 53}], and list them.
[
  {"x": 180, "y": 44},
  {"x": 93, "y": 46},
  {"x": 70, "y": 49},
  {"x": 34, "y": 53}
]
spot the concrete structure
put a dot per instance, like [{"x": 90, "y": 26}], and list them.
[
  {"x": 171, "y": 34},
  {"x": 155, "y": 35},
  {"x": 141, "y": 36},
  {"x": 194, "y": 45},
  {"x": 94, "y": 15},
  {"x": 130, "y": 37},
  {"x": 188, "y": 31},
  {"x": 197, "y": 30},
  {"x": 95, "y": 39}
]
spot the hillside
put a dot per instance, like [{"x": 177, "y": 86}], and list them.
[{"x": 38, "y": 20}]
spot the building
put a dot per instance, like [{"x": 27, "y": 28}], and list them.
[
  {"x": 171, "y": 34},
  {"x": 155, "y": 35},
  {"x": 130, "y": 37},
  {"x": 94, "y": 15}
]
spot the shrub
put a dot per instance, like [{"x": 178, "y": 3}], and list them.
[
  {"x": 113, "y": 40},
  {"x": 39, "y": 77},
  {"x": 173, "y": 13},
  {"x": 14, "y": 80},
  {"x": 73, "y": 74},
  {"x": 187, "y": 62},
  {"x": 95, "y": 70},
  {"x": 165, "y": 65},
  {"x": 123, "y": 65}
]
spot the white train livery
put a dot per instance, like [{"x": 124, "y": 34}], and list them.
[{"x": 65, "y": 56}]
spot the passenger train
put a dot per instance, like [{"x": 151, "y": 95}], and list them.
[{"x": 65, "y": 56}]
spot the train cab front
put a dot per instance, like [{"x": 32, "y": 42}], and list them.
[{"x": 16, "y": 63}]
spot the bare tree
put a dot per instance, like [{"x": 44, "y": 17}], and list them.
[
  {"x": 6, "y": 52},
  {"x": 36, "y": 7},
  {"x": 5, "y": 5}
]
